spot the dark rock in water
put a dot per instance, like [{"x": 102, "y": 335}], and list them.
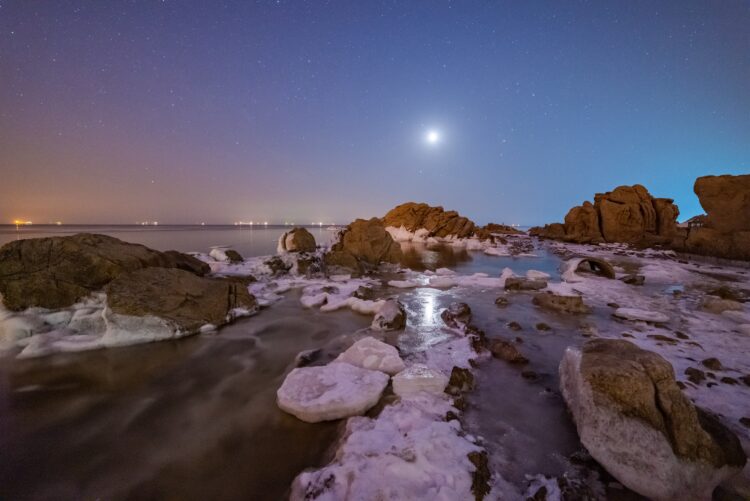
[
  {"x": 390, "y": 317},
  {"x": 530, "y": 375},
  {"x": 746, "y": 380},
  {"x": 187, "y": 301},
  {"x": 506, "y": 351},
  {"x": 58, "y": 271},
  {"x": 307, "y": 357},
  {"x": 633, "y": 419},
  {"x": 297, "y": 240},
  {"x": 234, "y": 256},
  {"x": 277, "y": 265},
  {"x": 712, "y": 363},
  {"x": 310, "y": 265},
  {"x": 634, "y": 279},
  {"x": 562, "y": 304},
  {"x": 363, "y": 244},
  {"x": 188, "y": 263},
  {"x": 524, "y": 284},
  {"x": 541, "y": 326},
  {"x": 364, "y": 292},
  {"x": 695, "y": 376},
  {"x": 745, "y": 421},
  {"x": 457, "y": 315},
  {"x": 729, "y": 380},
  {"x": 461, "y": 381},
  {"x": 514, "y": 326},
  {"x": 480, "y": 481},
  {"x": 502, "y": 301}
]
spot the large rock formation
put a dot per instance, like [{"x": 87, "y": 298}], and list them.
[
  {"x": 725, "y": 231},
  {"x": 438, "y": 222},
  {"x": 364, "y": 243},
  {"x": 58, "y": 271},
  {"x": 627, "y": 214},
  {"x": 634, "y": 420},
  {"x": 186, "y": 302}
]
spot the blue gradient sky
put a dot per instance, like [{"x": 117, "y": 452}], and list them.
[{"x": 188, "y": 111}]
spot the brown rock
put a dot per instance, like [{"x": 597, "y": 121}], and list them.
[
  {"x": 186, "y": 300},
  {"x": 726, "y": 200},
  {"x": 524, "y": 284},
  {"x": 58, "y": 271},
  {"x": 414, "y": 216},
  {"x": 297, "y": 240},
  {"x": 506, "y": 351},
  {"x": 501, "y": 229},
  {"x": 188, "y": 263},
  {"x": 626, "y": 214},
  {"x": 364, "y": 242},
  {"x": 618, "y": 393},
  {"x": 562, "y": 304},
  {"x": 582, "y": 224}
]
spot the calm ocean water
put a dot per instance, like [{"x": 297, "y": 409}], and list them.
[{"x": 247, "y": 240}]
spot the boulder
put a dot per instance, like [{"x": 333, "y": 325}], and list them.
[
  {"x": 457, "y": 315},
  {"x": 501, "y": 229},
  {"x": 560, "y": 303},
  {"x": 185, "y": 301},
  {"x": 438, "y": 222},
  {"x": 507, "y": 351},
  {"x": 725, "y": 231},
  {"x": 332, "y": 391},
  {"x": 633, "y": 419},
  {"x": 369, "y": 353},
  {"x": 57, "y": 272},
  {"x": 226, "y": 255},
  {"x": 418, "y": 378},
  {"x": 297, "y": 240},
  {"x": 582, "y": 224},
  {"x": 726, "y": 200},
  {"x": 364, "y": 242},
  {"x": 524, "y": 284},
  {"x": 390, "y": 317}
]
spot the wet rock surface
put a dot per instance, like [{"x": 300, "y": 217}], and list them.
[
  {"x": 58, "y": 271},
  {"x": 184, "y": 300},
  {"x": 390, "y": 317}
]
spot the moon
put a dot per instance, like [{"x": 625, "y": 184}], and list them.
[{"x": 432, "y": 136}]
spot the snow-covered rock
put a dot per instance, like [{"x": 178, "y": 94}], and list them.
[
  {"x": 333, "y": 391},
  {"x": 633, "y": 419},
  {"x": 408, "y": 453},
  {"x": 390, "y": 317},
  {"x": 641, "y": 315},
  {"x": 369, "y": 353},
  {"x": 419, "y": 378}
]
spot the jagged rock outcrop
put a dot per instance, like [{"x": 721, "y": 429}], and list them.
[
  {"x": 297, "y": 240},
  {"x": 627, "y": 214},
  {"x": 58, "y": 271},
  {"x": 501, "y": 228},
  {"x": 438, "y": 222},
  {"x": 364, "y": 243},
  {"x": 633, "y": 419},
  {"x": 725, "y": 231},
  {"x": 186, "y": 302}
]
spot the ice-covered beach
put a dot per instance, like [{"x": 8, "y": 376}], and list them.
[{"x": 394, "y": 364}]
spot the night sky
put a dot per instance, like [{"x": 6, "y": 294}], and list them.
[{"x": 190, "y": 111}]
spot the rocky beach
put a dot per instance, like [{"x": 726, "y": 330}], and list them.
[{"x": 605, "y": 357}]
